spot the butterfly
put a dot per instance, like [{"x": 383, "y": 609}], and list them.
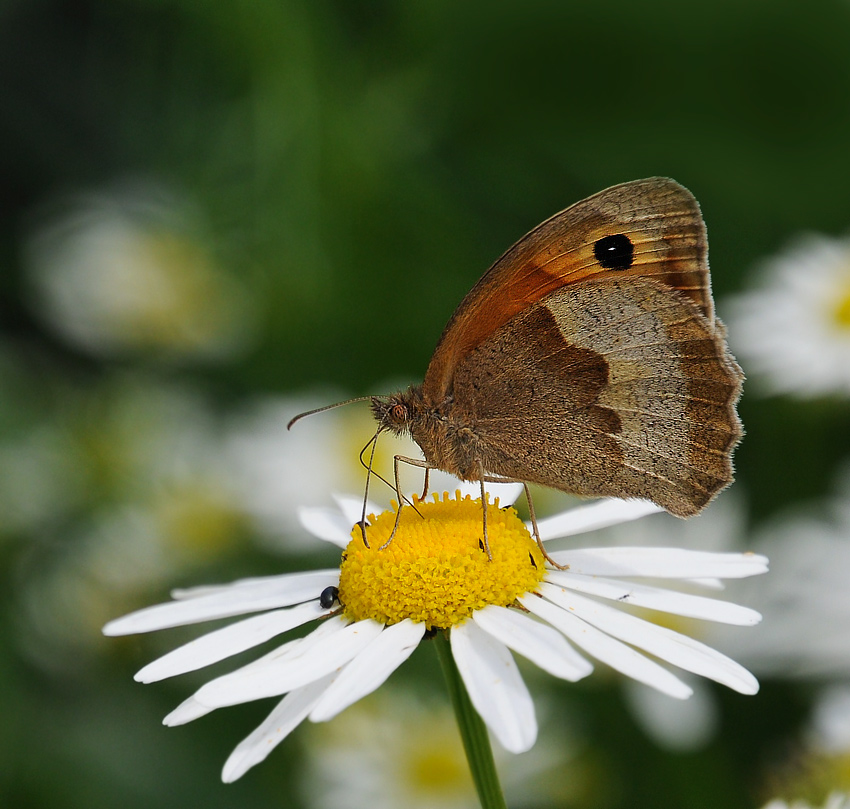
[{"x": 588, "y": 359}]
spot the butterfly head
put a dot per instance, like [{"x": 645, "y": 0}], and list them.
[{"x": 398, "y": 411}]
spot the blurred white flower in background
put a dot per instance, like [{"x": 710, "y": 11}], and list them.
[
  {"x": 791, "y": 331},
  {"x": 150, "y": 495},
  {"x": 836, "y": 800},
  {"x": 829, "y": 729},
  {"x": 394, "y": 749},
  {"x": 38, "y": 483},
  {"x": 818, "y": 763},
  {"x": 806, "y": 627},
  {"x": 37, "y": 479},
  {"x": 130, "y": 270}
]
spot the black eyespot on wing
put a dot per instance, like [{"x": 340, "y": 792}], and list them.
[
  {"x": 614, "y": 252},
  {"x": 328, "y": 596}
]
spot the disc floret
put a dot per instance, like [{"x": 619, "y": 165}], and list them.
[{"x": 436, "y": 570}]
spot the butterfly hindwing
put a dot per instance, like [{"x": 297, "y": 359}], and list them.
[{"x": 615, "y": 388}]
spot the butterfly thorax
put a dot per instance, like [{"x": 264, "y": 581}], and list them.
[{"x": 447, "y": 442}]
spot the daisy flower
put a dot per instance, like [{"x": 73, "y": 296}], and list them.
[
  {"x": 793, "y": 329},
  {"x": 435, "y": 578},
  {"x": 128, "y": 270}
]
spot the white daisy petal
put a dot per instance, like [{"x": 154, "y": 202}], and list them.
[
  {"x": 661, "y": 563},
  {"x": 608, "y": 650},
  {"x": 187, "y": 711},
  {"x": 495, "y": 686},
  {"x": 541, "y": 644},
  {"x": 307, "y": 662},
  {"x": 369, "y": 669},
  {"x": 675, "y": 648},
  {"x": 327, "y": 627},
  {"x": 289, "y": 713},
  {"x": 248, "y": 584},
  {"x": 325, "y": 523},
  {"x": 657, "y": 598},
  {"x": 709, "y": 584},
  {"x": 238, "y": 599},
  {"x": 185, "y": 593},
  {"x": 228, "y": 641},
  {"x": 591, "y": 517}
]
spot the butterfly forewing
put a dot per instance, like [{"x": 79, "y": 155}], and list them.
[{"x": 663, "y": 227}]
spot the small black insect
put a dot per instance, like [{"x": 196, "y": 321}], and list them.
[
  {"x": 328, "y": 596},
  {"x": 531, "y": 557}
]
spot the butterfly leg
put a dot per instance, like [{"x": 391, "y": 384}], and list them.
[
  {"x": 532, "y": 517},
  {"x": 484, "y": 511},
  {"x": 374, "y": 442},
  {"x": 401, "y": 498},
  {"x": 536, "y": 531},
  {"x": 425, "y": 486}
]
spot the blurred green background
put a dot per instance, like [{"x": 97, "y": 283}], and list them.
[{"x": 208, "y": 208}]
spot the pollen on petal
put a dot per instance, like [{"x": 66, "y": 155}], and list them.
[{"x": 436, "y": 570}]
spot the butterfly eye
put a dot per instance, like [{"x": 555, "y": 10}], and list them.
[
  {"x": 614, "y": 252},
  {"x": 398, "y": 413},
  {"x": 328, "y": 596}
]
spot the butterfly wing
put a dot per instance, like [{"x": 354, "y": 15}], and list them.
[
  {"x": 589, "y": 359},
  {"x": 606, "y": 389},
  {"x": 663, "y": 239}
]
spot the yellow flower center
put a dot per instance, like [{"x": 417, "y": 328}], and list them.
[
  {"x": 439, "y": 770},
  {"x": 841, "y": 312},
  {"x": 436, "y": 570}
]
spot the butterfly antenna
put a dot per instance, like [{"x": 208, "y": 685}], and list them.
[{"x": 326, "y": 407}]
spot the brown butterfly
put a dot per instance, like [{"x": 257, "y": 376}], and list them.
[{"x": 588, "y": 359}]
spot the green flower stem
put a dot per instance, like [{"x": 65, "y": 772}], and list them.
[{"x": 476, "y": 742}]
